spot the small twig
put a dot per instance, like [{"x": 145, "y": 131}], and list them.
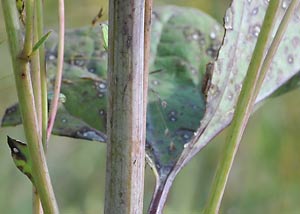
[{"x": 60, "y": 62}]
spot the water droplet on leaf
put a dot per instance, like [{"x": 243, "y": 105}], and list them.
[
  {"x": 213, "y": 35},
  {"x": 284, "y": 4}
]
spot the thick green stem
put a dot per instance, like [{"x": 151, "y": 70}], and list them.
[
  {"x": 126, "y": 116},
  {"x": 242, "y": 112},
  {"x": 27, "y": 107}
]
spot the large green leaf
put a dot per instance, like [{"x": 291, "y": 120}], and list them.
[
  {"x": 242, "y": 23},
  {"x": 181, "y": 92},
  {"x": 184, "y": 40}
]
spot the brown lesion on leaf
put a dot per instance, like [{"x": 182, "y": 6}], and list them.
[{"x": 206, "y": 82}]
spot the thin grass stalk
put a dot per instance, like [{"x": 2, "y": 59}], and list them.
[{"x": 242, "y": 112}]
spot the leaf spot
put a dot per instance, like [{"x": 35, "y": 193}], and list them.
[
  {"x": 255, "y": 30},
  {"x": 254, "y": 11},
  {"x": 290, "y": 59}
]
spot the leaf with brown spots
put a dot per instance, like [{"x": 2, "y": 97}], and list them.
[{"x": 242, "y": 23}]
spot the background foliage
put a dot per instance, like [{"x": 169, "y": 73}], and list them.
[{"x": 265, "y": 177}]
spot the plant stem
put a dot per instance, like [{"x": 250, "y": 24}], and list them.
[
  {"x": 242, "y": 112},
  {"x": 27, "y": 107},
  {"x": 36, "y": 203},
  {"x": 126, "y": 123},
  {"x": 147, "y": 45},
  {"x": 36, "y": 85},
  {"x": 29, "y": 10},
  {"x": 60, "y": 62},
  {"x": 44, "y": 99}
]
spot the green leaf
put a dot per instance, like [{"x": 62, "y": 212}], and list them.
[
  {"x": 104, "y": 28},
  {"x": 40, "y": 42},
  {"x": 242, "y": 23},
  {"x": 20, "y": 155}
]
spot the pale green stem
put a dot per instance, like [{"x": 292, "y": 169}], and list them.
[
  {"x": 242, "y": 112},
  {"x": 60, "y": 62},
  {"x": 36, "y": 77},
  {"x": 40, "y": 27},
  {"x": 29, "y": 10},
  {"x": 36, "y": 85},
  {"x": 36, "y": 202},
  {"x": 27, "y": 107}
]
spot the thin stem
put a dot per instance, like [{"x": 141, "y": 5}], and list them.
[
  {"x": 36, "y": 203},
  {"x": 36, "y": 85},
  {"x": 29, "y": 10},
  {"x": 60, "y": 62},
  {"x": 147, "y": 45},
  {"x": 242, "y": 112},
  {"x": 35, "y": 74},
  {"x": 27, "y": 107},
  {"x": 44, "y": 99}
]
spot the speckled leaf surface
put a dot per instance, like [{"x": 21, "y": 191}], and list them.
[
  {"x": 183, "y": 41},
  {"x": 242, "y": 23}
]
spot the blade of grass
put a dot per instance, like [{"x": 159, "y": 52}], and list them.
[
  {"x": 242, "y": 112},
  {"x": 60, "y": 62}
]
